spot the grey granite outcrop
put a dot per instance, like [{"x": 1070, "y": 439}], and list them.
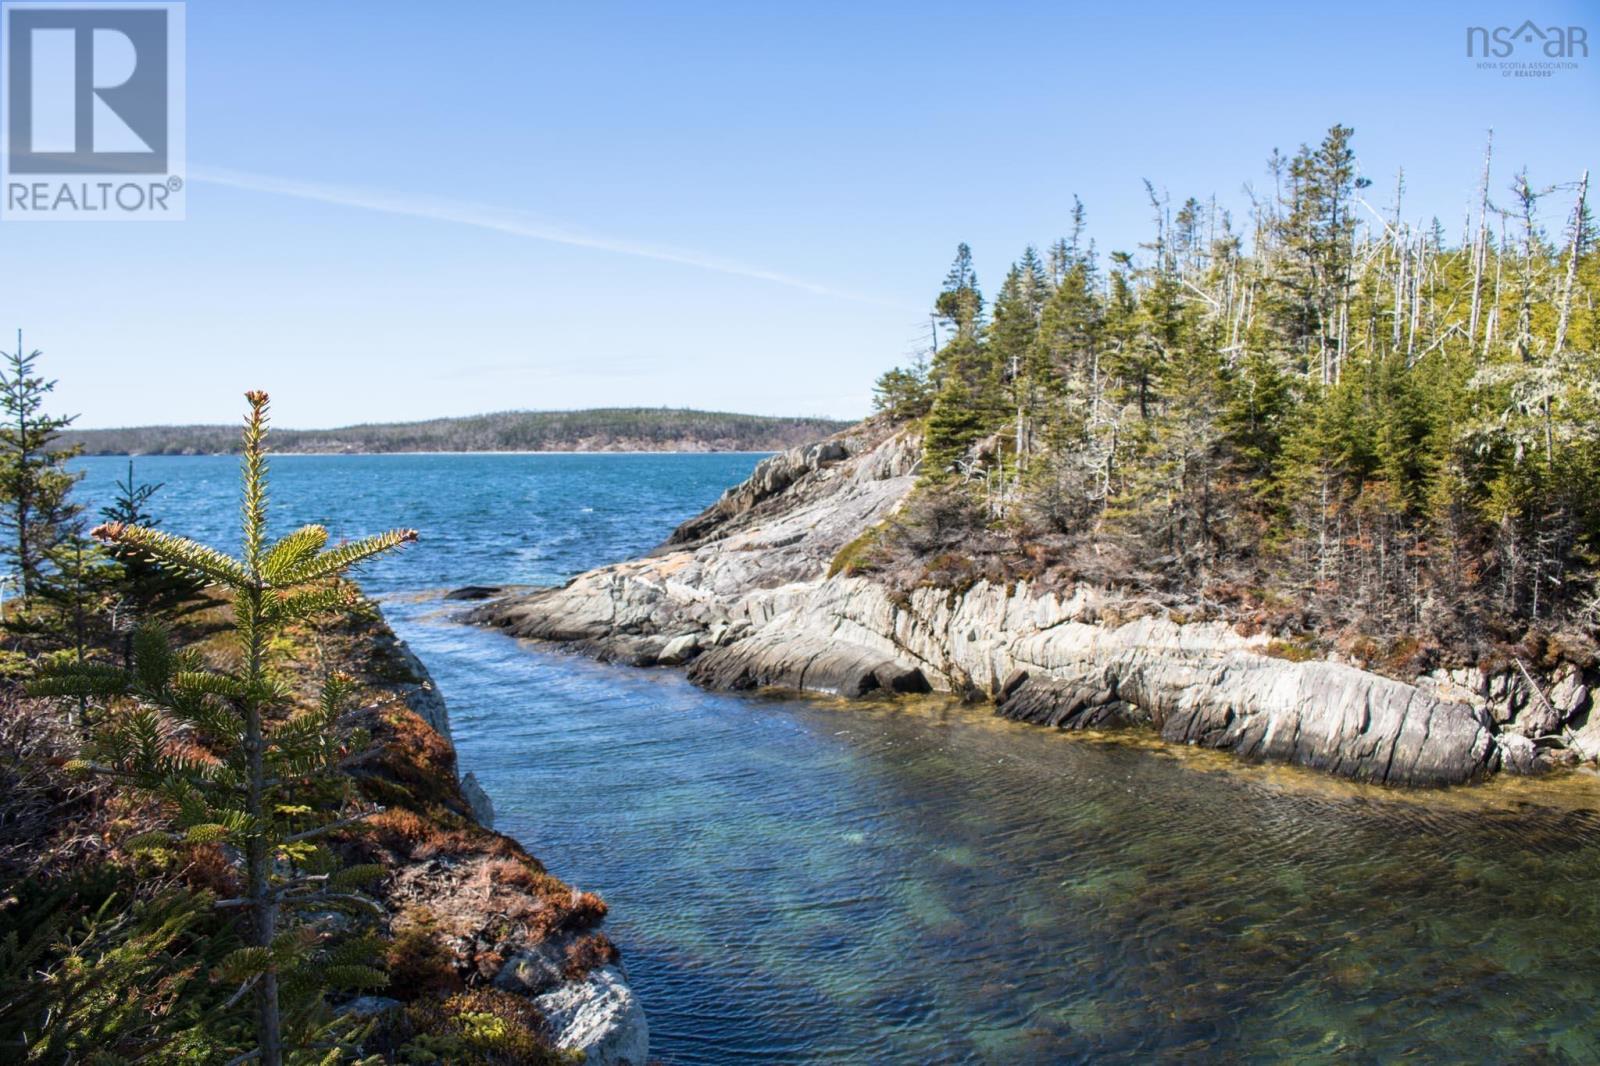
[
  {"x": 743, "y": 595},
  {"x": 599, "y": 1016}
]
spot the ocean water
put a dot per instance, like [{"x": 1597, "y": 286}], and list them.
[{"x": 918, "y": 882}]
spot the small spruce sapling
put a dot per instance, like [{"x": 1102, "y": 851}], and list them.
[
  {"x": 34, "y": 481},
  {"x": 237, "y": 764},
  {"x": 147, "y": 587}
]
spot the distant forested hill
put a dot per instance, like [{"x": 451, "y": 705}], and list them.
[{"x": 601, "y": 429}]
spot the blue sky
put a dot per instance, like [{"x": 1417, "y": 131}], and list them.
[{"x": 434, "y": 209}]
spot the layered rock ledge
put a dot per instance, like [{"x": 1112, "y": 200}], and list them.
[{"x": 743, "y": 595}]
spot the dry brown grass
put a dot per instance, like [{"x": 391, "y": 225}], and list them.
[
  {"x": 515, "y": 873},
  {"x": 399, "y": 828},
  {"x": 50, "y": 820},
  {"x": 587, "y": 909},
  {"x": 415, "y": 755}
]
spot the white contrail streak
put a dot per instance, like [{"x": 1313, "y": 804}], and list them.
[{"x": 500, "y": 220}]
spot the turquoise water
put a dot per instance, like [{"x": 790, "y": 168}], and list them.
[{"x": 918, "y": 882}]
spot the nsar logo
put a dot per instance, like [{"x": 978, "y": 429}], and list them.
[{"x": 1552, "y": 42}]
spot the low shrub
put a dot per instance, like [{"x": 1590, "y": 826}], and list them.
[
  {"x": 586, "y": 909},
  {"x": 419, "y": 964},
  {"x": 859, "y": 556},
  {"x": 483, "y": 1027},
  {"x": 1297, "y": 650},
  {"x": 589, "y": 953}
]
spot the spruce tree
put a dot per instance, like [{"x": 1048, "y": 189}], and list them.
[
  {"x": 1318, "y": 228},
  {"x": 953, "y": 425},
  {"x": 266, "y": 781},
  {"x": 1259, "y": 403},
  {"x": 965, "y": 383},
  {"x": 902, "y": 393},
  {"x": 34, "y": 481},
  {"x": 1015, "y": 383},
  {"x": 148, "y": 587},
  {"x": 1363, "y": 418},
  {"x": 960, "y": 303},
  {"x": 1069, "y": 327},
  {"x": 1133, "y": 358}
]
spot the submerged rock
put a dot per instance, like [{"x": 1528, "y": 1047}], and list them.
[{"x": 474, "y": 592}]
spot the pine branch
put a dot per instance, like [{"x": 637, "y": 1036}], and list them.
[
  {"x": 179, "y": 552},
  {"x": 336, "y": 561},
  {"x": 330, "y": 827},
  {"x": 291, "y": 552},
  {"x": 78, "y": 680},
  {"x": 196, "y": 683},
  {"x": 296, "y": 606},
  {"x": 354, "y": 899}
]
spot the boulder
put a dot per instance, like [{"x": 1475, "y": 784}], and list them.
[
  {"x": 482, "y": 806},
  {"x": 1583, "y": 736},
  {"x": 599, "y": 1016},
  {"x": 805, "y": 664},
  {"x": 1518, "y": 754},
  {"x": 679, "y": 650},
  {"x": 368, "y": 1006},
  {"x": 423, "y": 697},
  {"x": 530, "y": 973},
  {"x": 1066, "y": 704},
  {"x": 1569, "y": 695}
]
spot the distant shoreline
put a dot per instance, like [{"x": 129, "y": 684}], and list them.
[
  {"x": 601, "y": 430},
  {"x": 487, "y": 451}
]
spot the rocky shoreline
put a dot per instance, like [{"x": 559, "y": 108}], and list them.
[
  {"x": 745, "y": 595},
  {"x": 503, "y": 922}
]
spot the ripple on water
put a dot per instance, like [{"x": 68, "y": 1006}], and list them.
[{"x": 918, "y": 881}]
